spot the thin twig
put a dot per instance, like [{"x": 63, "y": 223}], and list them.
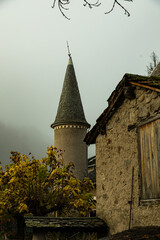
[
  {"x": 111, "y": 8},
  {"x": 54, "y": 4},
  {"x": 61, "y": 4},
  {"x": 116, "y": 2},
  {"x": 90, "y": 5}
]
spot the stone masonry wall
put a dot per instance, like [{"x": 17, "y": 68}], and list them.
[
  {"x": 70, "y": 139},
  {"x": 116, "y": 154}
]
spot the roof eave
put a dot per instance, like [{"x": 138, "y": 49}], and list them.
[{"x": 117, "y": 96}]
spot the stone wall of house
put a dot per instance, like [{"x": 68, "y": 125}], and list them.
[{"x": 116, "y": 155}]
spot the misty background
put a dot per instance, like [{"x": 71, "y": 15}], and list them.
[{"x": 33, "y": 61}]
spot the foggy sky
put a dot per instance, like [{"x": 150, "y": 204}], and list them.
[{"x": 33, "y": 60}]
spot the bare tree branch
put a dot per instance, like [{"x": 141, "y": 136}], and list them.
[
  {"x": 153, "y": 63},
  {"x": 90, "y": 5},
  {"x": 61, "y": 6},
  {"x": 63, "y": 3},
  {"x": 116, "y": 2}
]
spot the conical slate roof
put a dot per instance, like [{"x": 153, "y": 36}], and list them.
[
  {"x": 70, "y": 109},
  {"x": 156, "y": 71}
]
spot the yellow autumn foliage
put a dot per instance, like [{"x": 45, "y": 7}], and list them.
[{"x": 37, "y": 187}]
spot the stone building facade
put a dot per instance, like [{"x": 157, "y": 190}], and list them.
[{"x": 127, "y": 137}]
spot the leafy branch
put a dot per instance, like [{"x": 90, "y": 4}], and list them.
[{"x": 37, "y": 187}]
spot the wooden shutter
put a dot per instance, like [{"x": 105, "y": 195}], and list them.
[{"x": 150, "y": 159}]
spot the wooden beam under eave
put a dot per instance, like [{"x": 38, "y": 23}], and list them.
[{"x": 141, "y": 85}]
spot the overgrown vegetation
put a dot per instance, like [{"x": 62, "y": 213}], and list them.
[{"x": 30, "y": 186}]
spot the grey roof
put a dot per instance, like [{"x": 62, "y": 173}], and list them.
[
  {"x": 138, "y": 233},
  {"x": 156, "y": 71},
  {"x": 92, "y": 223},
  {"x": 125, "y": 89},
  {"x": 70, "y": 109}
]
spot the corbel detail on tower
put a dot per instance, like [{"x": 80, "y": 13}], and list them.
[{"x": 70, "y": 126}]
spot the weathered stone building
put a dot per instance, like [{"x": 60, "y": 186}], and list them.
[{"x": 127, "y": 137}]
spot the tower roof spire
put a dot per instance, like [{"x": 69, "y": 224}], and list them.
[
  {"x": 69, "y": 53},
  {"x": 70, "y": 109}
]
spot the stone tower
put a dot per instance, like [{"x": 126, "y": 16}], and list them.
[{"x": 70, "y": 125}]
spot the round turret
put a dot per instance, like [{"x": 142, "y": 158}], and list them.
[{"x": 70, "y": 125}]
